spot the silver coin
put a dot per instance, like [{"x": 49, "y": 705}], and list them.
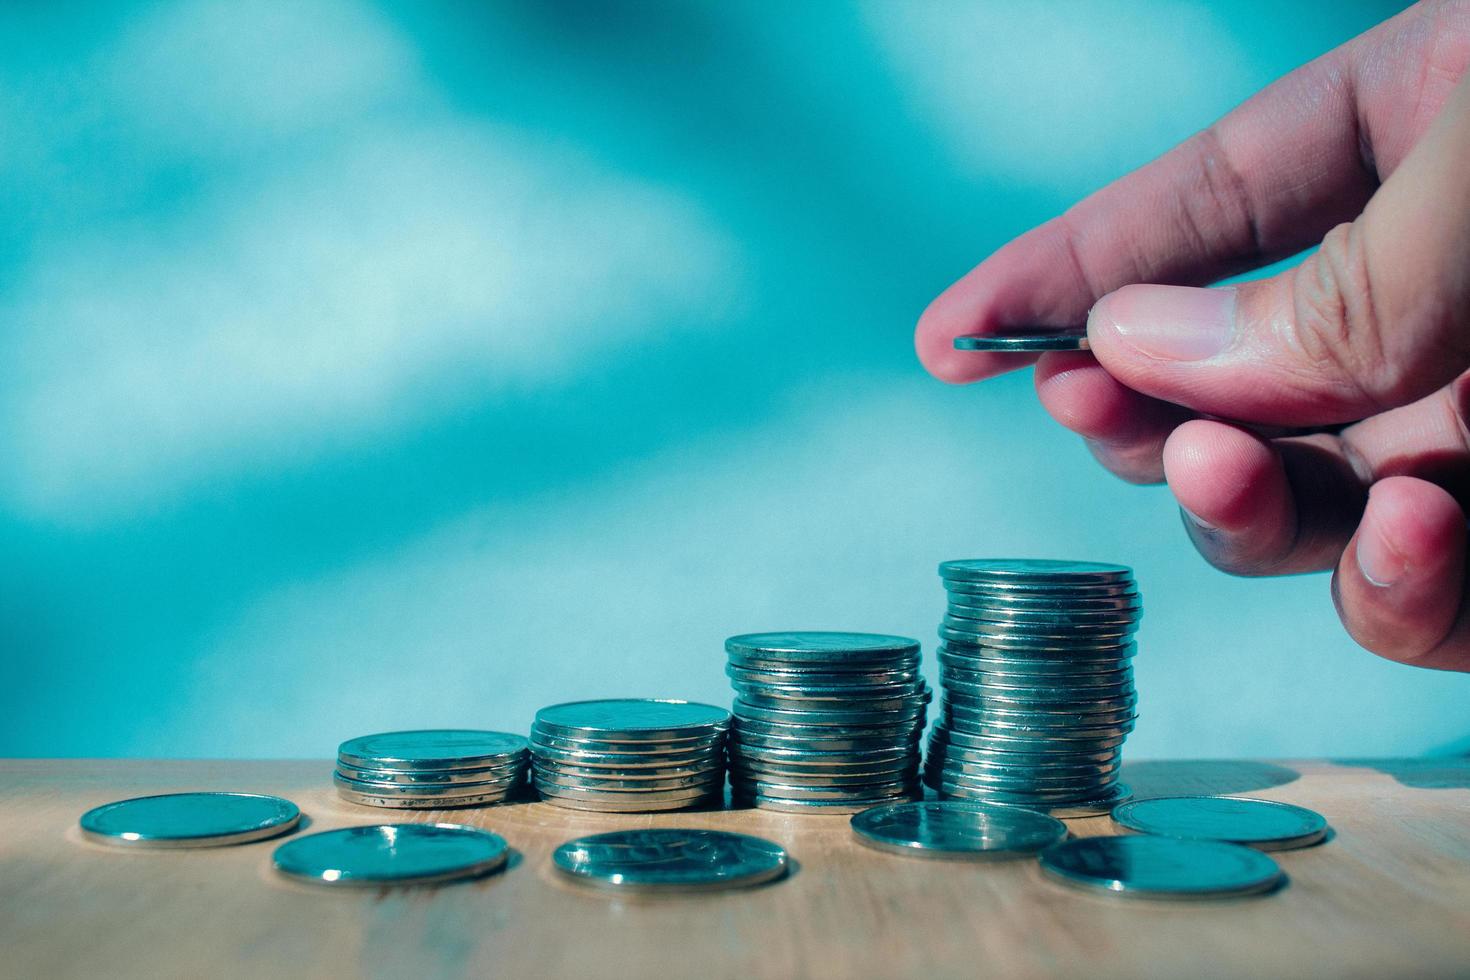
[
  {"x": 822, "y": 760},
  {"x": 980, "y": 762},
  {"x": 427, "y": 792},
  {"x": 900, "y": 706},
  {"x": 801, "y": 791},
  {"x": 1029, "y": 670},
  {"x": 954, "y": 829},
  {"x": 670, "y": 860},
  {"x": 1024, "y": 343},
  {"x": 437, "y": 777},
  {"x": 860, "y": 782},
  {"x": 749, "y": 742},
  {"x": 1084, "y": 620},
  {"x": 1039, "y": 592},
  {"x": 422, "y": 803},
  {"x": 636, "y": 803},
  {"x": 1098, "y": 680},
  {"x": 961, "y": 769},
  {"x": 907, "y": 730},
  {"x": 642, "y": 773},
  {"x": 1075, "y": 648},
  {"x": 777, "y": 804},
  {"x": 684, "y": 746},
  {"x": 894, "y": 694},
  {"x": 952, "y": 630},
  {"x": 706, "y": 783},
  {"x": 1263, "y": 824},
  {"x": 1161, "y": 867},
  {"x": 451, "y": 748},
  {"x": 817, "y": 719},
  {"x": 392, "y": 854},
  {"x": 1022, "y": 743},
  {"x": 546, "y": 787},
  {"x": 1000, "y": 729},
  {"x": 989, "y": 714},
  {"x": 1124, "y": 603},
  {"x": 628, "y": 760},
  {"x": 819, "y": 646},
  {"x": 1034, "y": 570},
  {"x": 803, "y": 676},
  {"x": 177, "y": 820},
  {"x": 1039, "y": 661},
  {"x": 1061, "y": 809},
  {"x": 1111, "y": 698},
  {"x": 632, "y": 719}
]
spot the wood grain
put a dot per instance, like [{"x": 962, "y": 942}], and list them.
[{"x": 1388, "y": 895}]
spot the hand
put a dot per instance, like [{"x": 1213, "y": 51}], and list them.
[{"x": 1367, "y": 151}]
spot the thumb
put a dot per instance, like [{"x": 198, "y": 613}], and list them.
[{"x": 1378, "y": 317}]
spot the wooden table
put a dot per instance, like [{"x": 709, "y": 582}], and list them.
[{"x": 1388, "y": 895}]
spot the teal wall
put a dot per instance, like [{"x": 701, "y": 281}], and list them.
[{"x": 392, "y": 365}]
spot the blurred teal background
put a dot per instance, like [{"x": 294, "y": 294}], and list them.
[{"x": 367, "y": 366}]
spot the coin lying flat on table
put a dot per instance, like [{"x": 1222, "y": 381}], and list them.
[
  {"x": 190, "y": 820},
  {"x": 392, "y": 854},
  {"x": 1161, "y": 867},
  {"x": 670, "y": 860},
  {"x": 1263, "y": 824},
  {"x": 956, "y": 830}
]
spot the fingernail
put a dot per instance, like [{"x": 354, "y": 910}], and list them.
[
  {"x": 1171, "y": 323},
  {"x": 1196, "y": 520},
  {"x": 1377, "y": 560}
]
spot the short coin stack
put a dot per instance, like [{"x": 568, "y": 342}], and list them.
[
  {"x": 826, "y": 722},
  {"x": 432, "y": 769},
  {"x": 630, "y": 755},
  {"x": 1037, "y": 683}
]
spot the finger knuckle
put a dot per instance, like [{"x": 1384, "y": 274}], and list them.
[{"x": 1335, "y": 328}]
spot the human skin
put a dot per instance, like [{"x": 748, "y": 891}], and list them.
[{"x": 1316, "y": 419}]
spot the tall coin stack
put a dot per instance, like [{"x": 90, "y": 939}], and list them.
[
  {"x": 1037, "y": 684},
  {"x": 630, "y": 755},
  {"x": 826, "y": 722},
  {"x": 430, "y": 770}
]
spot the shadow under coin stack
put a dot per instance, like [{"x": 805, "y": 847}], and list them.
[
  {"x": 630, "y": 755},
  {"x": 431, "y": 770},
  {"x": 825, "y": 722},
  {"x": 1038, "y": 690}
]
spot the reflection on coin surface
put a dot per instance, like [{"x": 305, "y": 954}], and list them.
[
  {"x": 1161, "y": 867},
  {"x": 1023, "y": 343},
  {"x": 631, "y": 719},
  {"x": 823, "y": 646},
  {"x": 670, "y": 860},
  {"x": 1263, "y": 824},
  {"x": 392, "y": 854},
  {"x": 949, "y": 829},
  {"x": 190, "y": 820},
  {"x": 1049, "y": 570},
  {"x": 431, "y": 749}
]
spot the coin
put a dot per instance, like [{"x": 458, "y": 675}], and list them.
[
  {"x": 952, "y": 829},
  {"x": 705, "y": 783},
  {"x": 422, "y": 791},
  {"x": 1048, "y": 571},
  {"x": 1023, "y": 343},
  {"x": 420, "y": 802},
  {"x": 1263, "y": 824},
  {"x": 632, "y": 719},
  {"x": 627, "y": 760},
  {"x": 190, "y": 820},
  {"x": 686, "y": 746},
  {"x": 668, "y": 860},
  {"x": 778, "y": 804},
  {"x": 392, "y": 854},
  {"x": 432, "y": 749},
  {"x": 1161, "y": 867},
  {"x": 634, "y": 804},
  {"x": 827, "y": 648},
  {"x": 436, "y": 777}
]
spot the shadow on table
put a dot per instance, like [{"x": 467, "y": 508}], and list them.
[
  {"x": 1204, "y": 777},
  {"x": 1443, "y": 772}
]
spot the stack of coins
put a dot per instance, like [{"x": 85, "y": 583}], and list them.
[
  {"x": 1037, "y": 683},
  {"x": 431, "y": 770},
  {"x": 630, "y": 755},
  {"x": 826, "y": 722}
]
